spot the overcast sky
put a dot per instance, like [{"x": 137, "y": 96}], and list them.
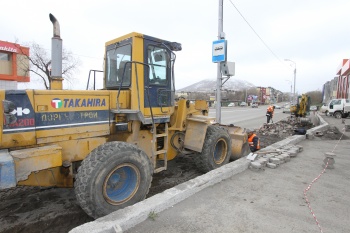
[{"x": 313, "y": 34}]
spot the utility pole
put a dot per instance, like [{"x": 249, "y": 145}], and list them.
[
  {"x": 219, "y": 77},
  {"x": 295, "y": 77},
  {"x": 290, "y": 94},
  {"x": 295, "y": 98}
]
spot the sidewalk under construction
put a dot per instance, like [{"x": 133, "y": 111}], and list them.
[{"x": 297, "y": 196}]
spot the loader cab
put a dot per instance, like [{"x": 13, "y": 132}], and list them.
[{"x": 144, "y": 66}]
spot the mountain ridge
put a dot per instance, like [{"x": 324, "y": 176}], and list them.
[{"x": 209, "y": 85}]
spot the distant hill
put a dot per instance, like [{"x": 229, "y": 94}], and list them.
[{"x": 209, "y": 85}]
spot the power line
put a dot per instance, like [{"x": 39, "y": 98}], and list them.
[{"x": 256, "y": 33}]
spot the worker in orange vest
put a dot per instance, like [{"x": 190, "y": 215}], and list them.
[
  {"x": 253, "y": 140},
  {"x": 269, "y": 113}
]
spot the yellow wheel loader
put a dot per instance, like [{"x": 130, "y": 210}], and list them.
[{"x": 108, "y": 143}]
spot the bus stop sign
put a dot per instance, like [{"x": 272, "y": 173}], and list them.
[{"x": 219, "y": 51}]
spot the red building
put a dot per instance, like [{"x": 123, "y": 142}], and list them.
[
  {"x": 343, "y": 73},
  {"x": 13, "y": 65}
]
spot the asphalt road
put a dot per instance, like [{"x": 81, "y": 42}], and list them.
[{"x": 246, "y": 117}]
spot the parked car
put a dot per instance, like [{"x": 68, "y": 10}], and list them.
[
  {"x": 231, "y": 105},
  {"x": 313, "y": 108},
  {"x": 254, "y": 105},
  {"x": 277, "y": 107},
  {"x": 286, "y": 109},
  {"x": 243, "y": 104}
]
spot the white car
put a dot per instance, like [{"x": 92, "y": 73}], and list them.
[
  {"x": 243, "y": 104},
  {"x": 231, "y": 105},
  {"x": 313, "y": 108},
  {"x": 286, "y": 108}
]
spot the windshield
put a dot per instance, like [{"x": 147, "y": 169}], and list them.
[{"x": 117, "y": 66}]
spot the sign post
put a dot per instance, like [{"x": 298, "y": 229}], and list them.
[{"x": 218, "y": 57}]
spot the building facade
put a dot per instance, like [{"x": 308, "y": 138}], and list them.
[
  {"x": 343, "y": 73},
  {"x": 14, "y": 65},
  {"x": 338, "y": 87}
]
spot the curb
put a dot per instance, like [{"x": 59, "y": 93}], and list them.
[{"x": 130, "y": 216}]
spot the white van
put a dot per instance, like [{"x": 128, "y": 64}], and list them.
[{"x": 336, "y": 108}]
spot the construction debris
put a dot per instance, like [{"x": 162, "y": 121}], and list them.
[
  {"x": 274, "y": 132},
  {"x": 274, "y": 158}
]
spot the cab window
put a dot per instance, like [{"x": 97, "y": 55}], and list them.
[
  {"x": 337, "y": 102},
  {"x": 157, "y": 59},
  {"x": 118, "y": 71}
]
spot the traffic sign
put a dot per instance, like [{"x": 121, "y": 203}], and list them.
[{"x": 219, "y": 51}]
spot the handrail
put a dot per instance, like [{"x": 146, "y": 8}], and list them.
[{"x": 88, "y": 82}]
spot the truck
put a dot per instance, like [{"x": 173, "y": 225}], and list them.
[
  {"x": 339, "y": 108},
  {"x": 108, "y": 143}
]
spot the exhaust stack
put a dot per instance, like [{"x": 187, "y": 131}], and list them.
[{"x": 56, "y": 56}]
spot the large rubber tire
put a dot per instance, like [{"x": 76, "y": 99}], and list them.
[
  {"x": 338, "y": 115},
  {"x": 245, "y": 150},
  {"x": 216, "y": 150},
  {"x": 111, "y": 177}
]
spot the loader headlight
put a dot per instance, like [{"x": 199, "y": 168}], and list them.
[{"x": 174, "y": 46}]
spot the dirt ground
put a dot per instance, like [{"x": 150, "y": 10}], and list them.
[{"x": 56, "y": 210}]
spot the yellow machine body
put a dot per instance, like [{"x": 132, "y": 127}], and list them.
[
  {"x": 47, "y": 133},
  {"x": 302, "y": 108}
]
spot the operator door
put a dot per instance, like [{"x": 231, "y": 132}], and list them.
[{"x": 158, "y": 83}]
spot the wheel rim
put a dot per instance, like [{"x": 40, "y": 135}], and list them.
[
  {"x": 220, "y": 151},
  {"x": 337, "y": 115},
  {"x": 121, "y": 184}
]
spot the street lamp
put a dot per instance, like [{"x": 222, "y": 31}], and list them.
[
  {"x": 290, "y": 97},
  {"x": 295, "y": 75}
]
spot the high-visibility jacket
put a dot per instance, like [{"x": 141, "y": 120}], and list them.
[
  {"x": 254, "y": 142},
  {"x": 270, "y": 110}
]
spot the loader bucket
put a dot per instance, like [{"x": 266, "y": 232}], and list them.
[{"x": 240, "y": 146}]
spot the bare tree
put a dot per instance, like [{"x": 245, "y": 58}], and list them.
[
  {"x": 40, "y": 64},
  {"x": 315, "y": 96}
]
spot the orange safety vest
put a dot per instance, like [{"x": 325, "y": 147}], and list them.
[
  {"x": 250, "y": 141},
  {"x": 270, "y": 109}
]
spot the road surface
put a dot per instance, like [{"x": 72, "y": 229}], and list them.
[{"x": 246, "y": 117}]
